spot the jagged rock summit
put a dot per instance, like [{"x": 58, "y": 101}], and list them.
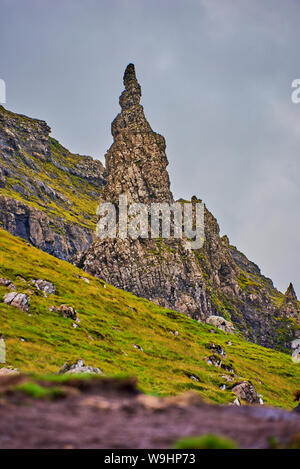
[
  {"x": 290, "y": 295},
  {"x": 290, "y": 303},
  {"x": 136, "y": 162},
  {"x": 216, "y": 280}
]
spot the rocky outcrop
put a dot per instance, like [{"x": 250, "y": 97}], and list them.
[
  {"x": 44, "y": 286},
  {"x": 216, "y": 280},
  {"x": 220, "y": 323},
  {"x": 18, "y": 300},
  {"x": 5, "y": 282},
  {"x": 47, "y": 194},
  {"x": 79, "y": 368},
  {"x": 67, "y": 312},
  {"x": 246, "y": 392}
]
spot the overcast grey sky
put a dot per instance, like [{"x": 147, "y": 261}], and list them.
[{"x": 216, "y": 81}]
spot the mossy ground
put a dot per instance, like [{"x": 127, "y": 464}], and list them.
[{"x": 112, "y": 321}]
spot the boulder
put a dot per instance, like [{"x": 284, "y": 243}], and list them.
[
  {"x": 8, "y": 370},
  {"x": 221, "y": 323},
  {"x": 43, "y": 285},
  {"x": 68, "y": 312},
  {"x": 138, "y": 347},
  {"x": 246, "y": 391},
  {"x": 19, "y": 300},
  {"x": 78, "y": 368},
  {"x": 5, "y": 282}
]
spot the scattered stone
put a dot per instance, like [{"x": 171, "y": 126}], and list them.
[
  {"x": 223, "y": 387},
  {"x": 175, "y": 333},
  {"x": 246, "y": 391},
  {"x": 79, "y": 367},
  {"x": 220, "y": 323},
  {"x": 227, "y": 368},
  {"x": 5, "y": 282},
  {"x": 227, "y": 378},
  {"x": 214, "y": 360},
  {"x": 18, "y": 300},
  {"x": 8, "y": 370},
  {"x": 236, "y": 402},
  {"x": 52, "y": 309},
  {"x": 138, "y": 347},
  {"x": 229, "y": 342},
  {"x": 216, "y": 349},
  {"x": 21, "y": 279},
  {"x": 43, "y": 285},
  {"x": 194, "y": 378},
  {"x": 68, "y": 312},
  {"x": 75, "y": 325},
  {"x": 86, "y": 280},
  {"x": 22, "y": 339}
]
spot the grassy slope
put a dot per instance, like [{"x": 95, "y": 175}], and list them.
[{"x": 112, "y": 321}]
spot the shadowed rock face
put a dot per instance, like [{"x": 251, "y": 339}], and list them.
[{"x": 215, "y": 280}]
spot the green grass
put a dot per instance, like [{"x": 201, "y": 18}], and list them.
[
  {"x": 112, "y": 321},
  {"x": 209, "y": 441},
  {"x": 39, "y": 392}
]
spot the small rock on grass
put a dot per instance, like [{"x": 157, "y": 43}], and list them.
[
  {"x": 43, "y": 285},
  {"x": 78, "y": 368},
  {"x": 5, "y": 282},
  {"x": 19, "y": 300},
  {"x": 8, "y": 370}
]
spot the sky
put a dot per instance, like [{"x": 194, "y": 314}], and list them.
[{"x": 216, "y": 81}]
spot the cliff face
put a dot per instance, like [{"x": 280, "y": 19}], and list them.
[
  {"x": 47, "y": 194},
  {"x": 214, "y": 280}
]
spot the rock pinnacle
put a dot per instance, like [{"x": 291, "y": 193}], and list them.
[{"x": 136, "y": 162}]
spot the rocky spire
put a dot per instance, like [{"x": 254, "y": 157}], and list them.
[
  {"x": 290, "y": 295},
  {"x": 290, "y": 303},
  {"x": 136, "y": 162},
  {"x": 131, "y": 96}
]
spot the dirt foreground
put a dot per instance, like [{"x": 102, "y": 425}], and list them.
[{"x": 112, "y": 414}]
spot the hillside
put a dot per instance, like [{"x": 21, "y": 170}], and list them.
[{"x": 123, "y": 334}]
